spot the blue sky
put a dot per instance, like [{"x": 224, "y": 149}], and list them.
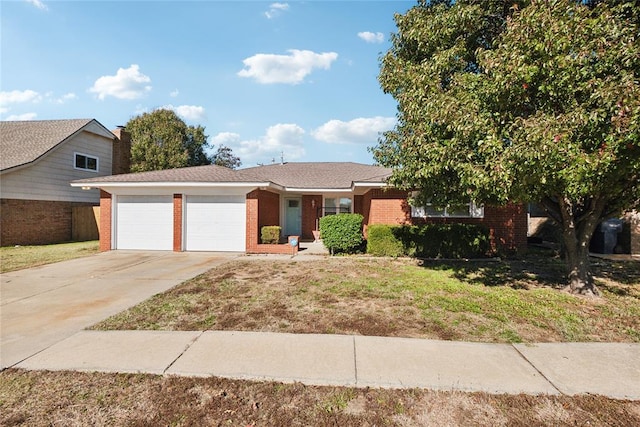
[{"x": 298, "y": 77}]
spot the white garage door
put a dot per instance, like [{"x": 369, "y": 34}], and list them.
[
  {"x": 215, "y": 223},
  {"x": 144, "y": 222}
]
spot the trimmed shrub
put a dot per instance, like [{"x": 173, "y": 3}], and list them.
[
  {"x": 450, "y": 241},
  {"x": 342, "y": 232},
  {"x": 381, "y": 241},
  {"x": 270, "y": 234},
  {"x": 431, "y": 241}
]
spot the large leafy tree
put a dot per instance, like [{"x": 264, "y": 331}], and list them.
[
  {"x": 224, "y": 157},
  {"x": 519, "y": 101},
  {"x": 162, "y": 140}
]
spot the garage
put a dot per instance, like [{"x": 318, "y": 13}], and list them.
[
  {"x": 144, "y": 222},
  {"x": 215, "y": 223}
]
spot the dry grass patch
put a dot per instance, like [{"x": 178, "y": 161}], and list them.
[
  {"x": 90, "y": 399},
  {"x": 511, "y": 301},
  {"x": 19, "y": 257}
]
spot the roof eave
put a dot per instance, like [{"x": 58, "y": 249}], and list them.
[
  {"x": 368, "y": 184},
  {"x": 166, "y": 184},
  {"x": 316, "y": 190}
]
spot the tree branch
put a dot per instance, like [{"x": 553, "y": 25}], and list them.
[{"x": 552, "y": 208}]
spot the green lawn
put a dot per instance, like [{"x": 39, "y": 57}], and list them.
[{"x": 19, "y": 257}]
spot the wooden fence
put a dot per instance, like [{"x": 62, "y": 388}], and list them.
[{"x": 85, "y": 223}]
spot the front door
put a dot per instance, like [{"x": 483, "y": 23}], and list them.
[{"x": 292, "y": 217}]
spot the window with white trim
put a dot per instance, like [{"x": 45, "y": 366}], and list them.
[
  {"x": 466, "y": 210},
  {"x": 85, "y": 162},
  {"x": 336, "y": 205}
]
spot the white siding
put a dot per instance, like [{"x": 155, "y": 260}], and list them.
[{"x": 49, "y": 177}]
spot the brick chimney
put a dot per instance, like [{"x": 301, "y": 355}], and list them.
[{"x": 121, "y": 153}]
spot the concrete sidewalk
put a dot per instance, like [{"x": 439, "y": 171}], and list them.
[{"x": 608, "y": 369}]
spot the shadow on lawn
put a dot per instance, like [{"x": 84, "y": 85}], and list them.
[
  {"x": 542, "y": 267},
  {"x": 514, "y": 273}
]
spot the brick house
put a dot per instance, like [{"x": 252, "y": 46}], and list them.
[
  {"x": 39, "y": 159},
  {"x": 212, "y": 208}
]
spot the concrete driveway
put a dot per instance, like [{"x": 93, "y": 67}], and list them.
[{"x": 44, "y": 305}]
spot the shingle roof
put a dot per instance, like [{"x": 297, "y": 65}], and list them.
[
  {"x": 210, "y": 173},
  {"x": 311, "y": 175},
  {"x": 23, "y": 142},
  {"x": 338, "y": 175}
]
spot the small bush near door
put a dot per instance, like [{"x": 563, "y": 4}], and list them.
[
  {"x": 429, "y": 241},
  {"x": 342, "y": 232},
  {"x": 270, "y": 234}
]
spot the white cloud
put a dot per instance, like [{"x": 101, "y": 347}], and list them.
[
  {"x": 39, "y": 4},
  {"x": 370, "y": 37},
  {"x": 140, "y": 109},
  {"x": 19, "y": 97},
  {"x": 66, "y": 97},
  {"x": 189, "y": 112},
  {"x": 357, "y": 131},
  {"x": 283, "y": 139},
  {"x": 276, "y": 9},
  {"x": 291, "y": 69},
  {"x": 226, "y": 138},
  {"x": 174, "y": 93},
  {"x": 128, "y": 83},
  {"x": 21, "y": 117}
]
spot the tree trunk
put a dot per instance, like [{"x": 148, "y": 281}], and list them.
[
  {"x": 579, "y": 269},
  {"x": 576, "y": 233}
]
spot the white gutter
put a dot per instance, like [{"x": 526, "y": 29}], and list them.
[
  {"x": 316, "y": 190},
  {"x": 369, "y": 184},
  {"x": 173, "y": 184}
]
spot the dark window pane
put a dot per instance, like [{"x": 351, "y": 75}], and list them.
[
  {"x": 81, "y": 161},
  {"x": 92, "y": 163}
]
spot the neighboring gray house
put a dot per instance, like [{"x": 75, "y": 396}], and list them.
[{"x": 38, "y": 161}]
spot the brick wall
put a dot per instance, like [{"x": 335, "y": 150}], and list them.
[
  {"x": 252, "y": 227},
  {"x": 177, "y": 222},
  {"x": 507, "y": 225},
  {"x": 105, "y": 221},
  {"x": 35, "y": 222},
  {"x": 121, "y": 152},
  {"x": 263, "y": 208},
  {"x": 283, "y": 249},
  {"x": 388, "y": 207},
  {"x": 268, "y": 209},
  {"x": 310, "y": 208}
]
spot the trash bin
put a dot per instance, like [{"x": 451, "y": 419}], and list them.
[{"x": 605, "y": 238}]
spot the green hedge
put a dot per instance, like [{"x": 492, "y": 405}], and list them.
[
  {"x": 270, "y": 234},
  {"x": 342, "y": 232},
  {"x": 381, "y": 241},
  {"x": 429, "y": 241}
]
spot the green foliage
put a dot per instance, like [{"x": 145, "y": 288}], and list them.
[
  {"x": 429, "y": 241},
  {"x": 381, "y": 241},
  {"x": 342, "y": 232},
  {"x": 161, "y": 140},
  {"x": 447, "y": 240},
  {"x": 224, "y": 157},
  {"x": 530, "y": 101},
  {"x": 270, "y": 234}
]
